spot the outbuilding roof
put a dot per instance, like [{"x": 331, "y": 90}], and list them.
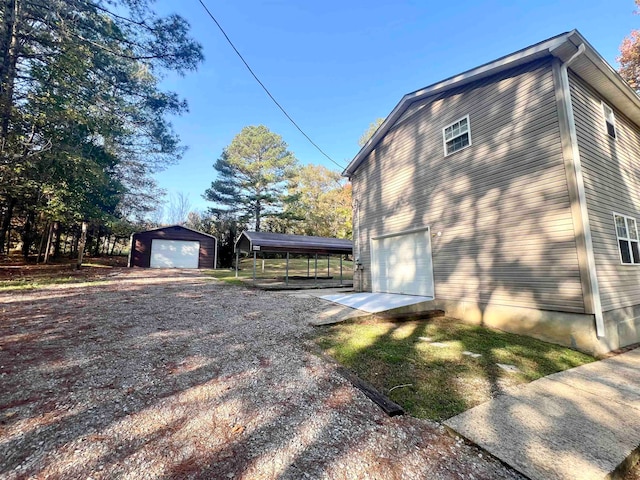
[
  {"x": 280, "y": 242},
  {"x": 176, "y": 227},
  {"x": 590, "y": 66}
]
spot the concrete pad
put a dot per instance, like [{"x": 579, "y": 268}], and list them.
[
  {"x": 335, "y": 314},
  {"x": 578, "y": 424},
  {"x": 320, "y": 292},
  {"x": 375, "y": 302}
]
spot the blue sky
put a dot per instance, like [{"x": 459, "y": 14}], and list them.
[{"x": 337, "y": 65}]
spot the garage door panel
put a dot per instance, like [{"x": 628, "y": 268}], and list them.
[
  {"x": 174, "y": 254},
  {"x": 402, "y": 264}
]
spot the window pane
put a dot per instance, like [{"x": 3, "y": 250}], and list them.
[
  {"x": 636, "y": 252},
  {"x": 608, "y": 114},
  {"x": 621, "y": 228},
  {"x": 456, "y": 136},
  {"x": 611, "y": 130},
  {"x": 625, "y": 251},
  {"x": 631, "y": 229},
  {"x": 458, "y": 143}
]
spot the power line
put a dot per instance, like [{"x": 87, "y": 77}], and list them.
[{"x": 265, "y": 88}]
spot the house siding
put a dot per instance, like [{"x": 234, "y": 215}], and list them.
[
  {"x": 611, "y": 171},
  {"x": 502, "y": 205}
]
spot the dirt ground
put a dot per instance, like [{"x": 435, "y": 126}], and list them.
[
  {"x": 13, "y": 268},
  {"x": 168, "y": 374}
]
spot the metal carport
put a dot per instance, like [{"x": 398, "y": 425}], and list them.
[{"x": 254, "y": 242}]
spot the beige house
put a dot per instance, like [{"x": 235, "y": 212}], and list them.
[{"x": 510, "y": 194}]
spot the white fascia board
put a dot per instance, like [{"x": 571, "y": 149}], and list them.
[
  {"x": 235, "y": 244},
  {"x": 612, "y": 75},
  {"x": 510, "y": 61}
]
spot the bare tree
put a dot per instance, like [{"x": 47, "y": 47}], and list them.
[
  {"x": 156, "y": 217},
  {"x": 178, "y": 208}
]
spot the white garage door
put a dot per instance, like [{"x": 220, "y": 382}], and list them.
[
  {"x": 402, "y": 264},
  {"x": 174, "y": 254}
]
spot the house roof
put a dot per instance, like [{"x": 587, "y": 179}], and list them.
[
  {"x": 590, "y": 66},
  {"x": 177, "y": 226},
  {"x": 279, "y": 242}
]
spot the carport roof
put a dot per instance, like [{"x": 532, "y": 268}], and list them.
[{"x": 279, "y": 242}]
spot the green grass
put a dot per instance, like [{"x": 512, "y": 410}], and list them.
[
  {"x": 443, "y": 381},
  {"x": 276, "y": 267},
  {"x": 227, "y": 276}
]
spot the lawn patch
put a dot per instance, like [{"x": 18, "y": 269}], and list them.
[
  {"x": 227, "y": 276},
  {"x": 431, "y": 360}
]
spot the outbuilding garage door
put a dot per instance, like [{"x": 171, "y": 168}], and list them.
[
  {"x": 401, "y": 263},
  {"x": 174, "y": 254}
]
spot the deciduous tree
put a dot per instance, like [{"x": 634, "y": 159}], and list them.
[
  {"x": 320, "y": 204},
  {"x": 629, "y": 58},
  {"x": 370, "y": 131}
]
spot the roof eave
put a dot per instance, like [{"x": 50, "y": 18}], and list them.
[
  {"x": 179, "y": 226},
  {"x": 551, "y": 47},
  {"x": 510, "y": 61},
  {"x": 621, "y": 94}
]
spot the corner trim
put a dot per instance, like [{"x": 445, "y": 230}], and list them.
[
  {"x": 129, "y": 259},
  {"x": 575, "y": 182}
]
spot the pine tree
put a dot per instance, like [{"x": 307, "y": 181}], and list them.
[{"x": 252, "y": 175}]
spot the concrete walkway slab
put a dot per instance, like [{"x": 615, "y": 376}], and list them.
[
  {"x": 375, "y": 302},
  {"x": 578, "y": 424}
]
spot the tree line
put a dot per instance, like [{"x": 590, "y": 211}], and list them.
[
  {"x": 83, "y": 121},
  {"x": 83, "y": 128}
]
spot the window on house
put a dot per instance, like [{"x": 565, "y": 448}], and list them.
[
  {"x": 610, "y": 120},
  {"x": 627, "y": 234},
  {"x": 457, "y": 136}
]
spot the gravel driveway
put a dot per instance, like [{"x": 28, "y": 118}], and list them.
[{"x": 168, "y": 374}]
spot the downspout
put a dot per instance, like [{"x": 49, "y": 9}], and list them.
[{"x": 596, "y": 303}]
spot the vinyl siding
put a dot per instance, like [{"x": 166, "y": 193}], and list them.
[
  {"x": 502, "y": 204},
  {"x": 611, "y": 170}
]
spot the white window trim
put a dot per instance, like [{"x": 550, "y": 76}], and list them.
[
  {"x": 628, "y": 239},
  {"x": 468, "y": 132},
  {"x": 615, "y": 127}
]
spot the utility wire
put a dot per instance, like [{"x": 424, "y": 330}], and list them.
[{"x": 265, "y": 88}]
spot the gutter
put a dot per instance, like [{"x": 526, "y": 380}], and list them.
[{"x": 596, "y": 303}]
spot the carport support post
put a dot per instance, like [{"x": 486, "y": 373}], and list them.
[
  {"x": 340, "y": 269},
  {"x": 255, "y": 255},
  {"x": 328, "y": 266},
  {"x": 308, "y": 262},
  {"x": 316, "y": 277},
  {"x": 237, "y": 261},
  {"x": 286, "y": 271}
]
